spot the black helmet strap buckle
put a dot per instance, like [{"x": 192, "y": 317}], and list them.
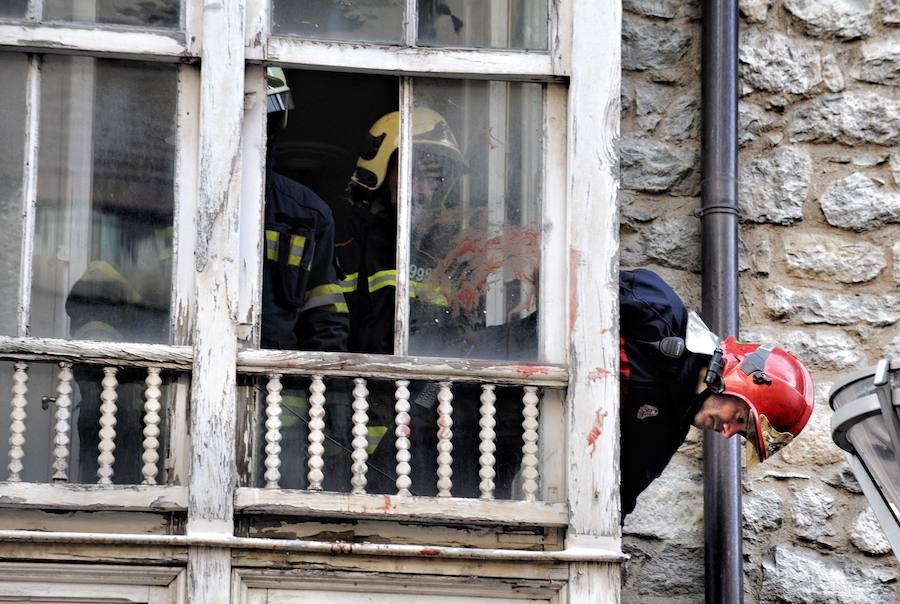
[{"x": 714, "y": 372}]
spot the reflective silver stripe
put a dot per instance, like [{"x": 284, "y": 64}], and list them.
[
  {"x": 324, "y": 300},
  {"x": 383, "y": 281}
]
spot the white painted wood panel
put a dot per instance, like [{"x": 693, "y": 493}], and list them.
[
  {"x": 115, "y": 42},
  {"x": 593, "y": 395},
  {"x": 213, "y": 471},
  {"x": 58, "y": 496},
  {"x": 393, "y": 60},
  {"x": 423, "y": 509}
]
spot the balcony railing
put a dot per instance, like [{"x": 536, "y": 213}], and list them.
[{"x": 340, "y": 476}]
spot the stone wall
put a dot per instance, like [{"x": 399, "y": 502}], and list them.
[{"x": 820, "y": 271}]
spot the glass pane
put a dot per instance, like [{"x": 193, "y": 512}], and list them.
[
  {"x": 873, "y": 444},
  {"x": 519, "y": 24},
  {"x": 13, "y": 70},
  {"x": 102, "y": 253},
  {"x": 354, "y": 20},
  {"x": 152, "y": 13},
  {"x": 476, "y": 215},
  {"x": 13, "y": 8}
]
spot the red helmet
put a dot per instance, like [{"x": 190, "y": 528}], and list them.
[{"x": 776, "y": 386}]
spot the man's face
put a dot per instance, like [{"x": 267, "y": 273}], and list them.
[{"x": 725, "y": 414}]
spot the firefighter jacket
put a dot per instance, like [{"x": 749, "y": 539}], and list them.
[
  {"x": 658, "y": 393},
  {"x": 303, "y": 307},
  {"x": 367, "y": 254}
]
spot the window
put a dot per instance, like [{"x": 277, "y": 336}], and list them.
[{"x": 97, "y": 150}]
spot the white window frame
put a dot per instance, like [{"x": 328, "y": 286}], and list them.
[
  {"x": 215, "y": 249},
  {"x": 59, "y": 582}
]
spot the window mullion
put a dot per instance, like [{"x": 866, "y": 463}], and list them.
[
  {"x": 29, "y": 190},
  {"x": 184, "y": 239},
  {"x": 35, "y": 10},
  {"x": 552, "y": 300},
  {"x": 411, "y": 22},
  {"x": 252, "y": 204},
  {"x": 404, "y": 219}
]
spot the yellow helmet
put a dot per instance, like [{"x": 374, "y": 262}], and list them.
[{"x": 429, "y": 128}]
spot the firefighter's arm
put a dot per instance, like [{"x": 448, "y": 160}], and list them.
[{"x": 324, "y": 323}]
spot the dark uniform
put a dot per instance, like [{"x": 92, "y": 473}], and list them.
[
  {"x": 658, "y": 393},
  {"x": 303, "y": 307}
]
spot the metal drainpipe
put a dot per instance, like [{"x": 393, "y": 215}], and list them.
[{"x": 719, "y": 218}]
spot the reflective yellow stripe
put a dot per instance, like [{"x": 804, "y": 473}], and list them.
[
  {"x": 428, "y": 292},
  {"x": 383, "y": 279},
  {"x": 374, "y": 434},
  {"x": 329, "y": 294},
  {"x": 298, "y": 242},
  {"x": 272, "y": 245},
  {"x": 164, "y": 240},
  {"x": 101, "y": 270},
  {"x": 348, "y": 285},
  {"x": 300, "y": 407},
  {"x": 97, "y": 330}
]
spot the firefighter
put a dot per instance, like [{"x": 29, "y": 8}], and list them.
[
  {"x": 303, "y": 307},
  {"x": 367, "y": 249},
  {"x": 676, "y": 373}
]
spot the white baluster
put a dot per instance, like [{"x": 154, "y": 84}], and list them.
[
  {"x": 152, "y": 419},
  {"x": 402, "y": 421},
  {"x": 108, "y": 409},
  {"x": 316, "y": 436},
  {"x": 360, "y": 437},
  {"x": 530, "y": 473},
  {"x": 63, "y": 423},
  {"x": 445, "y": 444},
  {"x": 17, "y": 417},
  {"x": 273, "y": 431},
  {"x": 488, "y": 441}
]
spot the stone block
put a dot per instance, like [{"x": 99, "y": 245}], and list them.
[
  {"x": 868, "y": 536},
  {"x": 841, "y": 19},
  {"x": 816, "y": 306},
  {"x": 880, "y": 62},
  {"x": 822, "y": 256},
  {"x": 820, "y": 350},
  {"x": 812, "y": 507},
  {"x": 753, "y": 121},
  {"x": 890, "y": 12},
  {"x": 858, "y": 203},
  {"x": 763, "y": 512},
  {"x": 673, "y": 242},
  {"x": 776, "y": 63},
  {"x": 652, "y": 45},
  {"x": 851, "y": 118},
  {"x": 796, "y": 575},
  {"x": 755, "y": 11},
  {"x": 665, "y": 9},
  {"x": 774, "y": 188},
  {"x": 670, "y": 508},
  {"x": 676, "y": 571},
  {"x": 652, "y": 166}
]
